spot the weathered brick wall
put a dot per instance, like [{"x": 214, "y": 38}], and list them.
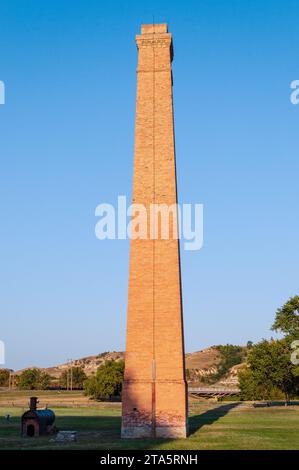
[{"x": 154, "y": 391}]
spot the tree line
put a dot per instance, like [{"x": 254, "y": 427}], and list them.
[{"x": 104, "y": 384}]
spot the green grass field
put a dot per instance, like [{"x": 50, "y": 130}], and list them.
[{"x": 223, "y": 425}]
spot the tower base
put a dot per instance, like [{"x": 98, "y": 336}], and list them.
[
  {"x": 154, "y": 410},
  {"x": 141, "y": 432}
]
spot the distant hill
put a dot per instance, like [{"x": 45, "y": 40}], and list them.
[
  {"x": 205, "y": 361},
  {"x": 217, "y": 365},
  {"x": 89, "y": 364},
  {"x": 201, "y": 365}
]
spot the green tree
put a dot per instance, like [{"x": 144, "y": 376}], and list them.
[
  {"x": 271, "y": 372},
  {"x": 107, "y": 382},
  {"x": 78, "y": 377},
  {"x": 33, "y": 379},
  {"x": 4, "y": 377},
  {"x": 249, "y": 389},
  {"x": 287, "y": 318},
  {"x": 44, "y": 381}
]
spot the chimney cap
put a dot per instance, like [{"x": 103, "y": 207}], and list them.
[{"x": 154, "y": 28}]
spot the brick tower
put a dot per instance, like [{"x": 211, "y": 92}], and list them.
[{"x": 154, "y": 390}]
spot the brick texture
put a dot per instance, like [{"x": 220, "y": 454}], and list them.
[{"x": 154, "y": 390}]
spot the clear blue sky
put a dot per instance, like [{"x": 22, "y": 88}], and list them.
[{"x": 66, "y": 145}]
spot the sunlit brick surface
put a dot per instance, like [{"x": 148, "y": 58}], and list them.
[{"x": 154, "y": 390}]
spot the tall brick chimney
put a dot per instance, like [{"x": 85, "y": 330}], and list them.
[{"x": 154, "y": 391}]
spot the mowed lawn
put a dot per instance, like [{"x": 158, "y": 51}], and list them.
[{"x": 221, "y": 425}]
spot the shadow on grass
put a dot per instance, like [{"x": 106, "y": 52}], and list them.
[
  {"x": 209, "y": 417},
  {"x": 98, "y": 432},
  {"x": 93, "y": 433},
  {"x": 268, "y": 404},
  {"x": 106, "y": 427}
]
